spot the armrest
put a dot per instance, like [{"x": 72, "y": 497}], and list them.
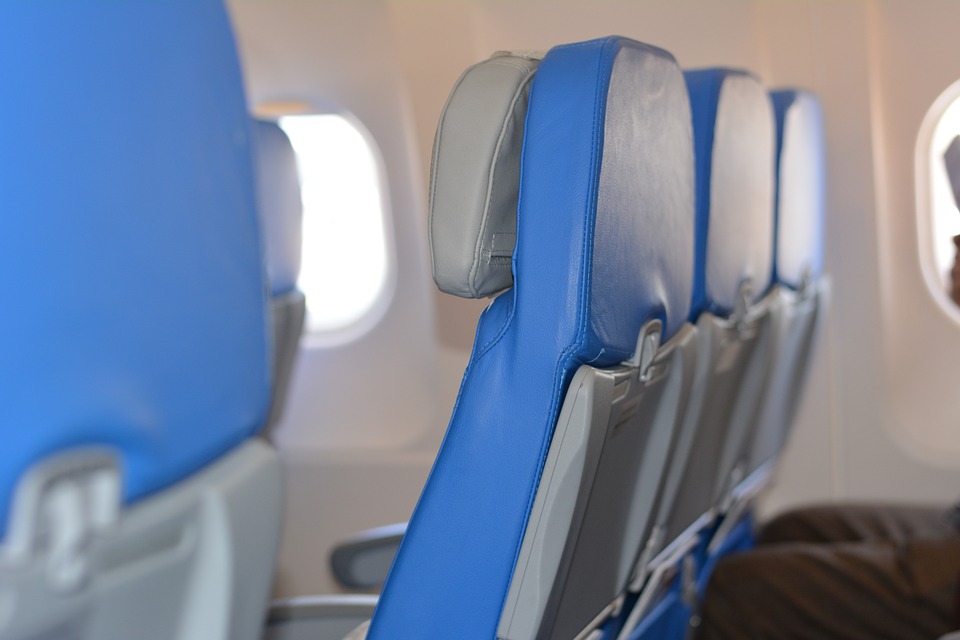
[
  {"x": 953, "y": 635},
  {"x": 330, "y": 617},
  {"x": 363, "y": 560}
]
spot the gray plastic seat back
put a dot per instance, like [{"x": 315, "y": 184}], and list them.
[
  {"x": 730, "y": 361},
  {"x": 592, "y": 517},
  {"x": 795, "y": 322}
]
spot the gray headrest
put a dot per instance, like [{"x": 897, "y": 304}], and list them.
[
  {"x": 280, "y": 208},
  {"x": 475, "y": 176}
]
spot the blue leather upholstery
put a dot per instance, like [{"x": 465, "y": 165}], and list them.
[
  {"x": 281, "y": 211},
  {"x": 732, "y": 120},
  {"x": 798, "y": 249},
  {"x": 605, "y": 242},
  {"x": 129, "y": 249}
]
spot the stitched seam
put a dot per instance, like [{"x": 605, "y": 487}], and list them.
[
  {"x": 443, "y": 443},
  {"x": 505, "y": 61}
]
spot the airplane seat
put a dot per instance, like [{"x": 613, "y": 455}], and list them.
[
  {"x": 281, "y": 221},
  {"x": 734, "y": 146},
  {"x": 539, "y": 501},
  {"x": 793, "y": 308},
  {"x": 135, "y": 499},
  {"x": 559, "y": 404},
  {"x": 798, "y": 266},
  {"x": 734, "y": 141}
]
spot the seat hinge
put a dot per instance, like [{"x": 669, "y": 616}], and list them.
[
  {"x": 743, "y": 317},
  {"x": 648, "y": 344},
  {"x": 60, "y": 507},
  {"x": 805, "y": 290}
]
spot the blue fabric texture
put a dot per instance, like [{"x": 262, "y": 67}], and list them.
[
  {"x": 734, "y": 238},
  {"x": 590, "y": 267},
  {"x": 129, "y": 247}
]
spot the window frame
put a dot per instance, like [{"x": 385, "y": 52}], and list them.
[
  {"x": 925, "y": 166},
  {"x": 374, "y": 311}
]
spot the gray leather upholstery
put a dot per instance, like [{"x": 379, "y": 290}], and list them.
[
  {"x": 281, "y": 211},
  {"x": 475, "y": 176}
]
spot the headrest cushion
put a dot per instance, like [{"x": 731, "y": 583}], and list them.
[
  {"x": 279, "y": 205},
  {"x": 475, "y": 176}
]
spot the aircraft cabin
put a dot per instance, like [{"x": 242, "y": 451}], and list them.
[{"x": 478, "y": 319}]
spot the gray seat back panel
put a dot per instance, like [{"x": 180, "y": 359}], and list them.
[
  {"x": 741, "y": 429},
  {"x": 795, "y": 319},
  {"x": 288, "y": 310},
  {"x": 592, "y": 514},
  {"x": 696, "y": 465}
]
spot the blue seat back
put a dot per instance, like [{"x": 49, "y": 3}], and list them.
[
  {"x": 129, "y": 244},
  {"x": 733, "y": 133},
  {"x": 732, "y": 141},
  {"x": 599, "y": 227}
]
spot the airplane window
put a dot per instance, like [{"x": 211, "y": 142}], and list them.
[
  {"x": 944, "y": 221},
  {"x": 344, "y": 259}
]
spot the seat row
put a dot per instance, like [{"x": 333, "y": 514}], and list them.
[
  {"x": 629, "y": 385},
  {"x": 653, "y": 240}
]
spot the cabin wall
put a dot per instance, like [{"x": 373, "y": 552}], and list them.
[{"x": 367, "y": 416}]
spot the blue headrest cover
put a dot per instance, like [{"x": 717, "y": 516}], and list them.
[
  {"x": 798, "y": 250},
  {"x": 605, "y": 243},
  {"x": 129, "y": 248},
  {"x": 281, "y": 211},
  {"x": 733, "y": 133}
]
